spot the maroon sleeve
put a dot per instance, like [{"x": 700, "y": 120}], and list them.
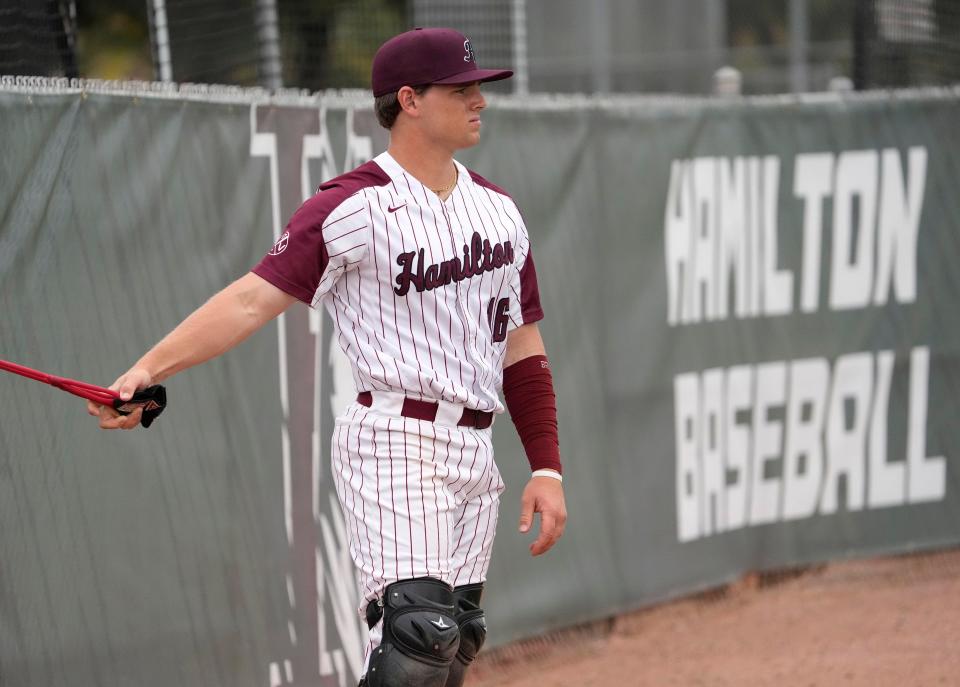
[
  {"x": 297, "y": 260},
  {"x": 529, "y": 291},
  {"x": 532, "y": 403}
]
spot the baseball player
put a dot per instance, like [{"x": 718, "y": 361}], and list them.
[{"x": 426, "y": 270}]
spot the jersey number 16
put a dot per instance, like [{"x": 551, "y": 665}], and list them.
[{"x": 497, "y": 317}]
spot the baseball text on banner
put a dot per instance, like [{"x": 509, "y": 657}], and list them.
[{"x": 825, "y": 420}]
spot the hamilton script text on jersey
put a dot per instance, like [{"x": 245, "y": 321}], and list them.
[{"x": 478, "y": 257}]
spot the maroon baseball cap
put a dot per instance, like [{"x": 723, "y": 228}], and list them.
[{"x": 428, "y": 56}]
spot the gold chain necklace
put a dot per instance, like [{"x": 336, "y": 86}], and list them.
[{"x": 449, "y": 187}]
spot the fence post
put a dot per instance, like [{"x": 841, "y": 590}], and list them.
[
  {"x": 160, "y": 37},
  {"x": 861, "y": 25},
  {"x": 799, "y": 38},
  {"x": 599, "y": 41},
  {"x": 521, "y": 75},
  {"x": 268, "y": 37}
]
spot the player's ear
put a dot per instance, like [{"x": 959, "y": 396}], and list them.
[{"x": 407, "y": 98}]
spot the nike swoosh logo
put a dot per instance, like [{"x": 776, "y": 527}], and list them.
[
  {"x": 390, "y": 209},
  {"x": 439, "y": 624}
]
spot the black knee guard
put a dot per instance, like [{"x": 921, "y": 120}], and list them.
[
  {"x": 420, "y": 635},
  {"x": 473, "y": 630}
]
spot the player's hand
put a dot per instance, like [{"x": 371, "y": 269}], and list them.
[
  {"x": 543, "y": 495},
  {"x": 127, "y": 384}
]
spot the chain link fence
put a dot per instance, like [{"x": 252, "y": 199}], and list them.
[
  {"x": 302, "y": 44},
  {"x": 558, "y": 46},
  {"x": 38, "y": 38}
]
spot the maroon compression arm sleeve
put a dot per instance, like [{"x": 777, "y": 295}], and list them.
[{"x": 531, "y": 401}]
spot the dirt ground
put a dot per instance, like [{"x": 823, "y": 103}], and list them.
[{"x": 883, "y": 622}]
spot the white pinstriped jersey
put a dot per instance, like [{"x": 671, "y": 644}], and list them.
[{"x": 422, "y": 291}]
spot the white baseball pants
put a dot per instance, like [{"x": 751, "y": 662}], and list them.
[{"x": 419, "y": 498}]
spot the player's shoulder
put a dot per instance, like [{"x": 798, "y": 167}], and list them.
[
  {"x": 366, "y": 175},
  {"x": 338, "y": 194},
  {"x": 486, "y": 183}
]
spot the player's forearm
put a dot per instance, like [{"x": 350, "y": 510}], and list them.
[
  {"x": 530, "y": 399},
  {"x": 218, "y": 325},
  {"x": 523, "y": 342}
]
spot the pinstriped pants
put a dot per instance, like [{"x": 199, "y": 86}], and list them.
[{"x": 419, "y": 499}]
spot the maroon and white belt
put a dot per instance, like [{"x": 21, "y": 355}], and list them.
[{"x": 441, "y": 412}]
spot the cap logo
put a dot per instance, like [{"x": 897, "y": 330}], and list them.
[{"x": 469, "y": 57}]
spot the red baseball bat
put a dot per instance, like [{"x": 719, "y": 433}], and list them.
[{"x": 153, "y": 399}]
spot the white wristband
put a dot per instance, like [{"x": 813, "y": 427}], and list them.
[{"x": 546, "y": 472}]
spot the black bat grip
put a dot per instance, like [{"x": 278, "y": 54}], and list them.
[{"x": 153, "y": 400}]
